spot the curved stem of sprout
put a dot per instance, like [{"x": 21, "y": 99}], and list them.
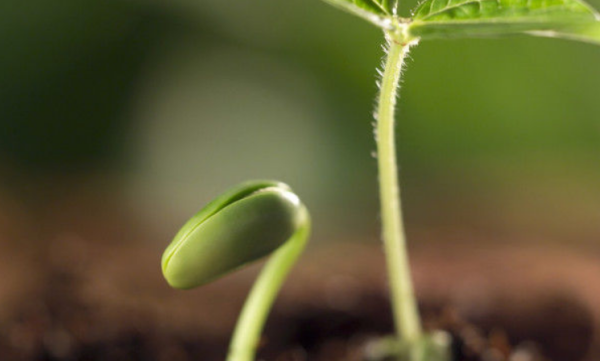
[{"x": 246, "y": 336}]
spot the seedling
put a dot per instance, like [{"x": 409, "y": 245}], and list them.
[
  {"x": 258, "y": 218},
  {"x": 244, "y": 224},
  {"x": 442, "y": 19}
]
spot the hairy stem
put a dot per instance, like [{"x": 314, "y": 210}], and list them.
[
  {"x": 256, "y": 309},
  {"x": 406, "y": 316}
]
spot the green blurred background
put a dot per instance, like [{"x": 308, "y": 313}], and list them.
[{"x": 147, "y": 110}]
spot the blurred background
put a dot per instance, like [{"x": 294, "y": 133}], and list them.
[{"x": 121, "y": 118}]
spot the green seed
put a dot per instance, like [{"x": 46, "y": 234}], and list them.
[{"x": 241, "y": 226}]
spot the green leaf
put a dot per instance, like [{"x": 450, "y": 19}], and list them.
[
  {"x": 572, "y": 19},
  {"x": 378, "y": 12}
]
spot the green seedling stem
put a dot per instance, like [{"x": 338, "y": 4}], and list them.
[
  {"x": 406, "y": 315},
  {"x": 250, "y": 324}
]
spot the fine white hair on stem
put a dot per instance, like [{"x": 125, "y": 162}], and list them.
[{"x": 381, "y": 73}]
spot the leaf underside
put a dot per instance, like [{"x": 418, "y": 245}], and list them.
[
  {"x": 377, "y": 12},
  {"x": 438, "y": 19},
  {"x": 380, "y": 7},
  {"x": 467, "y": 18}
]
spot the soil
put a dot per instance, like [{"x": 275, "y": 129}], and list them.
[{"x": 94, "y": 301}]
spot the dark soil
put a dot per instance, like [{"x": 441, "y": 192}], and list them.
[
  {"x": 120, "y": 310},
  {"x": 557, "y": 330}
]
